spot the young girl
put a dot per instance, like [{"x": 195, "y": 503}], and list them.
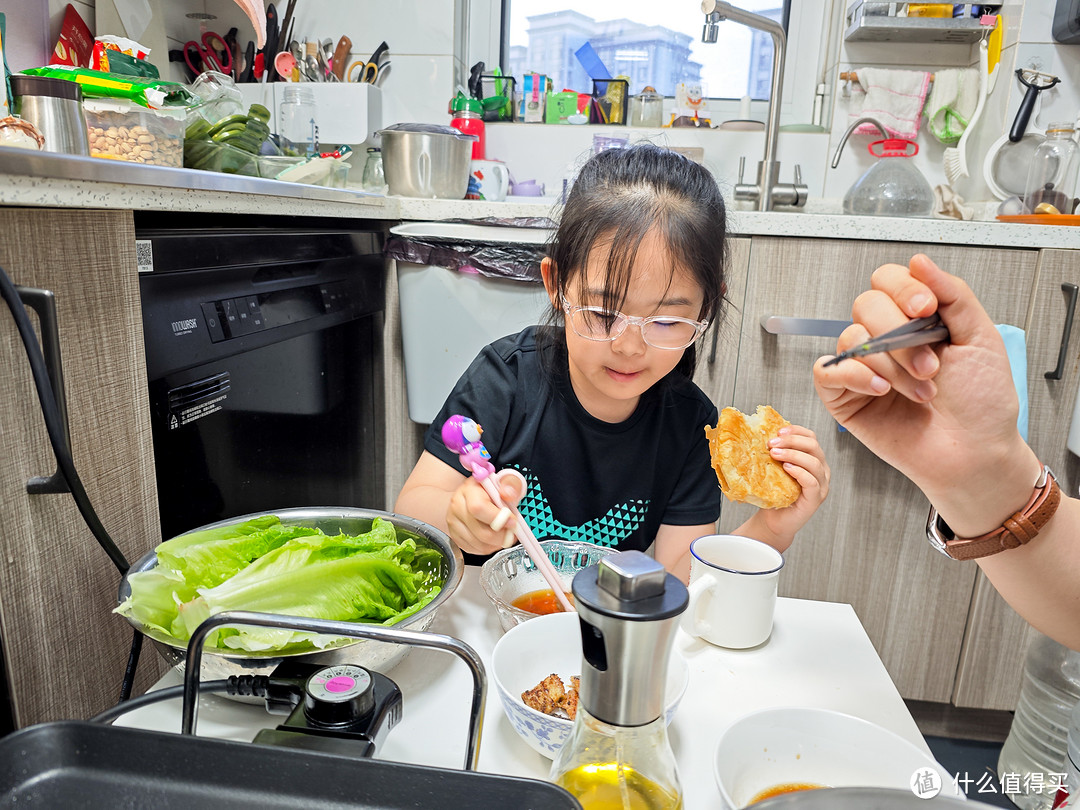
[{"x": 597, "y": 409}]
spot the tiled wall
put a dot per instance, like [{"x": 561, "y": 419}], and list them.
[{"x": 432, "y": 42}]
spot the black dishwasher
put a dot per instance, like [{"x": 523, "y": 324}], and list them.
[{"x": 262, "y": 345}]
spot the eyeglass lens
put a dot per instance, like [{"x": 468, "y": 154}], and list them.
[{"x": 602, "y": 325}]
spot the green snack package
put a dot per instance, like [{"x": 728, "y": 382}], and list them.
[{"x": 144, "y": 91}]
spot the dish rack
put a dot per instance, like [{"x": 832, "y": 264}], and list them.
[{"x": 888, "y": 21}]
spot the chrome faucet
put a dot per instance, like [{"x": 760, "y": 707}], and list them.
[{"x": 767, "y": 190}]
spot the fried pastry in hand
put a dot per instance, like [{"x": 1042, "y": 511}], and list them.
[{"x": 740, "y": 455}]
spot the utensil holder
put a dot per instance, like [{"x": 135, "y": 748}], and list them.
[{"x": 609, "y": 101}]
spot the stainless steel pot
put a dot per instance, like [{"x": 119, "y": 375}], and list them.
[
  {"x": 54, "y": 106},
  {"x": 426, "y": 160},
  {"x": 377, "y": 655}
]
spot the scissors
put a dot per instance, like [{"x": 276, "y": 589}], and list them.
[
  {"x": 369, "y": 70},
  {"x": 918, "y": 332},
  {"x": 212, "y": 54}
]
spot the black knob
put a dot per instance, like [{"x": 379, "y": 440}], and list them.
[{"x": 339, "y": 696}]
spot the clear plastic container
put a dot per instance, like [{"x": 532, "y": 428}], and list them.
[
  {"x": 1069, "y": 795},
  {"x": 122, "y": 130},
  {"x": 647, "y": 109},
  {"x": 1035, "y": 749},
  {"x": 298, "y": 119},
  {"x": 1051, "y": 178},
  {"x": 893, "y": 186}
]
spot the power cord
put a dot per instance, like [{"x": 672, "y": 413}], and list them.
[
  {"x": 246, "y": 685},
  {"x": 54, "y": 426}
]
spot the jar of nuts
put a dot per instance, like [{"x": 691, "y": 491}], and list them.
[{"x": 123, "y": 130}]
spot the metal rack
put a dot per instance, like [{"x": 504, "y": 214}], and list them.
[{"x": 881, "y": 21}]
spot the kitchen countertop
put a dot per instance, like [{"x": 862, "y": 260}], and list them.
[
  {"x": 819, "y": 656},
  {"x": 46, "y": 179}
]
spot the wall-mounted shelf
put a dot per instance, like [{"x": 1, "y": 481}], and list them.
[{"x": 881, "y": 21}]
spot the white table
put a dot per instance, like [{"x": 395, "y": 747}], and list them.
[{"x": 818, "y": 656}]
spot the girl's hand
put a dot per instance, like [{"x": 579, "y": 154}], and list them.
[
  {"x": 797, "y": 448},
  {"x": 475, "y": 523}
]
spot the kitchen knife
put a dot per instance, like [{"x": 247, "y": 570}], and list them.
[
  {"x": 271, "y": 49},
  {"x": 341, "y": 58}
]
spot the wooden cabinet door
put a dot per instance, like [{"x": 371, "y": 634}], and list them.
[
  {"x": 718, "y": 353},
  {"x": 866, "y": 545},
  {"x": 65, "y": 651},
  {"x": 991, "y": 666}
]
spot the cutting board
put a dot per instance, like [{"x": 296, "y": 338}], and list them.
[{"x": 154, "y": 37}]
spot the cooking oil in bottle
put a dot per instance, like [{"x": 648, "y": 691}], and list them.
[
  {"x": 610, "y": 786},
  {"x": 618, "y": 756}
]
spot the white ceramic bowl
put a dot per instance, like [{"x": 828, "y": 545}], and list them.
[
  {"x": 529, "y": 652},
  {"x": 815, "y": 746}
]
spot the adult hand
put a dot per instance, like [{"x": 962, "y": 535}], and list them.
[
  {"x": 475, "y": 523},
  {"x": 944, "y": 415}
]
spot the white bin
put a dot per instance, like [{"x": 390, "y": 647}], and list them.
[{"x": 448, "y": 316}]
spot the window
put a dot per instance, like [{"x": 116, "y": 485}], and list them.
[{"x": 653, "y": 43}]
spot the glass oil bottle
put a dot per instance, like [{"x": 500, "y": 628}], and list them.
[{"x": 618, "y": 756}]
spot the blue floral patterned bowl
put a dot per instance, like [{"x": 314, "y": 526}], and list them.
[{"x": 529, "y": 652}]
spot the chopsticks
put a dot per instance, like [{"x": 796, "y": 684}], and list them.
[
  {"x": 918, "y": 332},
  {"x": 462, "y": 435}
]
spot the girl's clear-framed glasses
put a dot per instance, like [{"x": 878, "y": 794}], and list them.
[{"x": 659, "y": 331}]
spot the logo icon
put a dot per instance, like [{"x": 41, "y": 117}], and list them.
[{"x": 925, "y": 783}]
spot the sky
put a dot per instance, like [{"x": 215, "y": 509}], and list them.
[{"x": 724, "y": 62}]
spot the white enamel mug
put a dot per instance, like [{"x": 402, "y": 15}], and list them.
[
  {"x": 488, "y": 180},
  {"x": 733, "y": 584}
]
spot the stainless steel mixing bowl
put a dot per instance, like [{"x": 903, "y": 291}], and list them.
[{"x": 376, "y": 655}]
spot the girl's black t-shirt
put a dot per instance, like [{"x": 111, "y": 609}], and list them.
[{"x": 589, "y": 480}]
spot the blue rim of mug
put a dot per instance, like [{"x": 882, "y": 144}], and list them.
[{"x": 703, "y": 561}]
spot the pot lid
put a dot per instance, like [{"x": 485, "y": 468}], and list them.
[{"x": 430, "y": 129}]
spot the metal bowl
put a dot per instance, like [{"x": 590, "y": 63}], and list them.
[{"x": 377, "y": 655}]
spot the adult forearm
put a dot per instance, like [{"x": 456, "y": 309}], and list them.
[{"x": 1041, "y": 580}]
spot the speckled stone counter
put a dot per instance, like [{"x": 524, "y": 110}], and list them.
[{"x": 43, "y": 179}]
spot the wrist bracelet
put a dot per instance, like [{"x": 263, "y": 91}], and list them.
[{"x": 1017, "y": 530}]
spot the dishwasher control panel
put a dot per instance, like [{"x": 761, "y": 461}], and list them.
[{"x": 235, "y": 317}]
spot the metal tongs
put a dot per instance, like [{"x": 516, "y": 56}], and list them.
[
  {"x": 462, "y": 435},
  {"x": 918, "y": 332}
]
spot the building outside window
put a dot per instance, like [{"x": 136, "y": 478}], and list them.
[{"x": 657, "y": 44}]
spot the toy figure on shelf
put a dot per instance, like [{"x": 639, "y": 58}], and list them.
[{"x": 690, "y": 103}]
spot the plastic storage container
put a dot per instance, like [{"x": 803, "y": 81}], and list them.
[
  {"x": 468, "y": 117},
  {"x": 1069, "y": 794},
  {"x": 1037, "y": 739},
  {"x": 298, "y": 119},
  {"x": 124, "y": 130}
]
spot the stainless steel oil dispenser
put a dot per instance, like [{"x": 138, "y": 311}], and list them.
[{"x": 618, "y": 754}]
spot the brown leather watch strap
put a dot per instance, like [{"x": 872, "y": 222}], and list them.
[{"x": 1016, "y": 530}]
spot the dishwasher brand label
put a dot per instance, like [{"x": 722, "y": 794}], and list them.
[
  {"x": 185, "y": 326},
  {"x": 144, "y": 255}
]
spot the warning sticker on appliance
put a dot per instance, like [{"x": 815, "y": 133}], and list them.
[{"x": 177, "y": 419}]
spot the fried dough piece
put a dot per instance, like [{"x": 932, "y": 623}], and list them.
[
  {"x": 570, "y": 706},
  {"x": 548, "y": 696},
  {"x": 739, "y": 449}
]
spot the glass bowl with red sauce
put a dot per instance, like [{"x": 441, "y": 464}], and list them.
[{"x": 519, "y": 591}]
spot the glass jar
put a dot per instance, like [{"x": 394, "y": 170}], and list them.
[
  {"x": 1051, "y": 178},
  {"x": 647, "y": 109},
  {"x": 1035, "y": 749},
  {"x": 298, "y": 125},
  {"x": 373, "y": 179}
]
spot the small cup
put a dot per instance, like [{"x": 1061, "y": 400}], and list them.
[
  {"x": 488, "y": 180},
  {"x": 732, "y": 590}
]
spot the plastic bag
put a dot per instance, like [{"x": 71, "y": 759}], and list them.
[{"x": 518, "y": 262}]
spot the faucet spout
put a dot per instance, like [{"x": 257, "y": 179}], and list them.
[{"x": 718, "y": 10}]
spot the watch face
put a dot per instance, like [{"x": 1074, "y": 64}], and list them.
[{"x": 937, "y": 532}]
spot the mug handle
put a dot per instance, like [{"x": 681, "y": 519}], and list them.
[
  {"x": 503, "y": 174},
  {"x": 695, "y": 620}
]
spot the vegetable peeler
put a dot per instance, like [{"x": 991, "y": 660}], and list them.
[{"x": 918, "y": 332}]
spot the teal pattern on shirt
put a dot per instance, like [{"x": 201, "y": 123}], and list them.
[{"x": 618, "y": 523}]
